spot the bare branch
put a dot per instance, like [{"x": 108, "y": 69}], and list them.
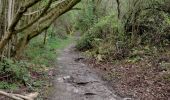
[
  {"x": 30, "y": 96},
  {"x": 20, "y": 13},
  {"x": 63, "y": 7},
  {"x": 35, "y": 20}
]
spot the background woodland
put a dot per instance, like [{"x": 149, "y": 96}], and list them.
[{"x": 115, "y": 34}]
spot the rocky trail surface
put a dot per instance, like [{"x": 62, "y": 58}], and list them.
[{"x": 76, "y": 81}]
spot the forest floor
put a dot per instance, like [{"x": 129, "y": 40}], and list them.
[
  {"x": 76, "y": 81},
  {"x": 145, "y": 79},
  {"x": 77, "y": 77},
  {"x": 81, "y": 78}
]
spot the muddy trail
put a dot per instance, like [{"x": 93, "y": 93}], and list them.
[{"x": 76, "y": 81}]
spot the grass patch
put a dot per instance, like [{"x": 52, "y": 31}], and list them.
[{"x": 42, "y": 54}]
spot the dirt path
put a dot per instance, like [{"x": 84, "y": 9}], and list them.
[{"x": 75, "y": 81}]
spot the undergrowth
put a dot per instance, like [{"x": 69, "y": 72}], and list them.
[
  {"x": 32, "y": 72},
  {"x": 109, "y": 39},
  {"x": 13, "y": 74}
]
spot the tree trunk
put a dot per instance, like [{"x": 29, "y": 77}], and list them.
[
  {"x": 118, "y": 8},
  {"x": 45, "y": 37},
  {"x": 40, "y": 23}
]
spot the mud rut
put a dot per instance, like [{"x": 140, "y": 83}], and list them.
[{"x": 75, "y": 81}]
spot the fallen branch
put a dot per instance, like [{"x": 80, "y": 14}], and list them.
[{"x": 30, "y": 96}]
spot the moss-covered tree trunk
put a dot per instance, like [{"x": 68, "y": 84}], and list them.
[{"x": 44, "y": 17}]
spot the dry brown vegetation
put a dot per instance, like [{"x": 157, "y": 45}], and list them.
[{"x": 146, "y": 79}]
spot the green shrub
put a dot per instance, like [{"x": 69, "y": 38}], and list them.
[
  {"x": 155, "y": 27},
  {"x": 6, "y": 85},
  {"x": 87, "y": 18},
  {"x": 105, "y": 38},
  {"x": 13, "y": 72},
  {"x": 95, "y": 32},
  {"x": 111, "y": 38},
  {"x": 85, "y": 43}
]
